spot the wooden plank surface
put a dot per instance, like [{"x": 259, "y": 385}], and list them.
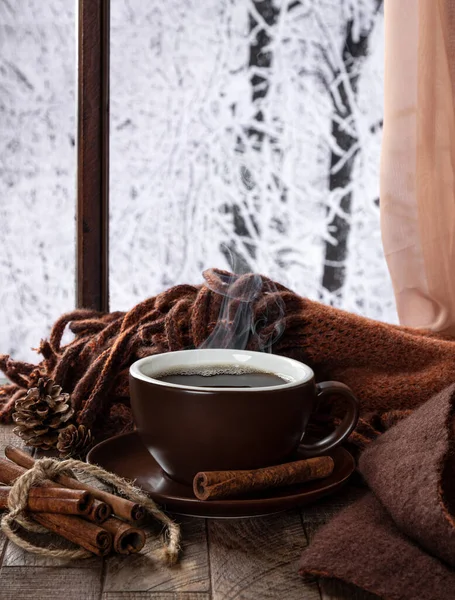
[
  {"x": 2, "y": 550},
  {"x": 16, "y": 557},
  {"x": 145, "y": 571},
  {"x": 258, "y": 558},
  {"x": 43, "y": 583},
  {"x": 156, "y": 596},
  {"x": 245, "y": 559},
  {"x": 8, "y": 437}
]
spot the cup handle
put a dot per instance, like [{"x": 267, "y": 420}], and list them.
[{"x": 347, "y": 425}]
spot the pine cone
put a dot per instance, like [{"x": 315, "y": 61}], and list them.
[
  {"x": 34, "y": 377},
  {"x": 74, "y": 441},
  {"x": 42, "y": 414}
]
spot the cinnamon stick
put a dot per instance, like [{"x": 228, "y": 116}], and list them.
[
  {"x": 126, "y": 539},
  {"x": 87, "y": 535},
  {"x": 121, "y": 507},
  {"x": 75, "y": 529},
  {"x": 211, "y": 485},
  {"x": 53, "y": 500},
  {"x": 99, "y": 512},
  {"x": 96, "y": 512}
]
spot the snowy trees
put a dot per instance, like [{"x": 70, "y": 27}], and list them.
[
  {"x": 260, "y": 135},
  {"x": 243, "y": 131}
]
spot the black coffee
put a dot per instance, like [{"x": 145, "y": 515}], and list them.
[{"x": 220, "y": 376}]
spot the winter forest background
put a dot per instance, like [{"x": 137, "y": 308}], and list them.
[{"x": 244, "y": 133}]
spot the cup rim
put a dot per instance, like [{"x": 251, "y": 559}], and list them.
[{"x": 302, "y": 369}]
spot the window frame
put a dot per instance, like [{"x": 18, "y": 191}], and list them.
[{"x": 92, "y": 212}]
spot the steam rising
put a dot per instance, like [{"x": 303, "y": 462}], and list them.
[{"x": 252, "y": 314}]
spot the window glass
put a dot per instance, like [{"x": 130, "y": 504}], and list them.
[
  {"x": 248, "y": 134},
  {"x": 37, "y": 169}
]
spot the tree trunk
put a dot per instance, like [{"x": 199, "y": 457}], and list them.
[
  {"x": 336, "y": 253},
  {"x": 259, "y": 58}
]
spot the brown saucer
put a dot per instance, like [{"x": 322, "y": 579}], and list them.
[{"x": 126, "y": 456}]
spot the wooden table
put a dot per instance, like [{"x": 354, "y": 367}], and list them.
[{"x": 242, "y": 559}]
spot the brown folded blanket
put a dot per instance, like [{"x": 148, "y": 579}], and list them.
[{"x": 398, "y": 541}]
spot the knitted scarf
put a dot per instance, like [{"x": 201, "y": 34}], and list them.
[
  {"x": 391, "y": 369},
  {"x": 400, "y": 375}
]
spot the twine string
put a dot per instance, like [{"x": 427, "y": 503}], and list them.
[{"x": 49, "y": 468}]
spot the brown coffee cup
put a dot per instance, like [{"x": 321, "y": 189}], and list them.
[{"x": 189, "y": 429}]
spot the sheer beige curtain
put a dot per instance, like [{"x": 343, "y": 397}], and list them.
[{"x": 418, "y": 160}]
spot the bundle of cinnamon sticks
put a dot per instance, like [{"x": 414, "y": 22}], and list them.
[{"x": 91, "y": 518}]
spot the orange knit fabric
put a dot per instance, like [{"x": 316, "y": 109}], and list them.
[{"x": 392, "y": 369}]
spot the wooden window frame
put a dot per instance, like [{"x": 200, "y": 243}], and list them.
[{"x": 92, "y": 215}]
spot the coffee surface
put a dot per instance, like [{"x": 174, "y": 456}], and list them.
[{"x": 219, "y": 376}]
